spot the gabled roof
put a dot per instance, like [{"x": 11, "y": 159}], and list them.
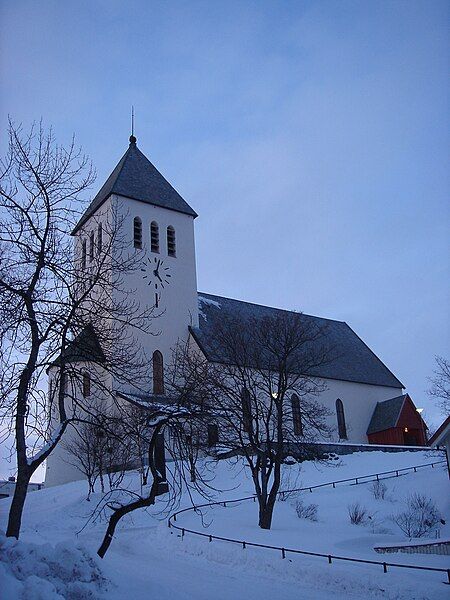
[
  {"x": 84, "y": 347},
  {"x": 440, "y": 432},
  {"x": 386, "y": 414},
  {"x": 354, "y": 361},
  {"x": 137, "y": 178}
]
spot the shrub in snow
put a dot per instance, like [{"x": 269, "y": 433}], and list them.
[
  {"x": 379, "y": 490},
  {"x": 358, "y": 514},
  {"x": 306, "y": 511},
  {"x": 420, "y": 516},
  {"x": 43, "y": 572}
]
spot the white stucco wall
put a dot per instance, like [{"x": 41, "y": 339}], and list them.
[
  {"x": 61, "y": 464},
  {"x": 359, "y": 400},
  {"x": 178, "y": 306}
]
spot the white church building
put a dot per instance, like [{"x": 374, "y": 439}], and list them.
[{"x": 363, "y": 396}]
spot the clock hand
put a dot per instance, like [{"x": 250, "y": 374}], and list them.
[{"x": 157, "y": 275}]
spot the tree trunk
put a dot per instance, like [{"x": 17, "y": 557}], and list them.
[
  {"x": 18, "y": 502},
  {"x": 266, "y": 514},
  {"x": 121, "y": 512}
]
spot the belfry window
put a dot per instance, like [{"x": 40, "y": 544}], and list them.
[
  {"x": 171, "y": 241},
  {"x": 342, "y": 429},
  {"x": 154, "y": 236},
  {"x": 158, "y": 373},
  {"x": 296, "y": 415},
  {"x": 137, "y": 232}
]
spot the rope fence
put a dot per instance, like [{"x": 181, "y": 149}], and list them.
[{"x": 283, "y": 551}]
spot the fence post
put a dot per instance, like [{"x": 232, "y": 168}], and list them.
[
  {"x": 448, "y": 576},
  {"x": 415, "y": 470},
  {"x": 329, "y": 559},
  {"x": 384, "y": 567},
  {"x": 334, "y": 485},
  {"x": 210, "y": 538},
  {"x": 243, "y": 545},
  {"x": 396, "y": 472},
  {"x": 356, "y": 481},
  {"x": 283, "y": 553},
  {"x": 377, "y": 478},
  {"x": 182, "y": 533}
]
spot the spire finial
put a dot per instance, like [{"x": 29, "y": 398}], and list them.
[{"x": 132, "y": 137}]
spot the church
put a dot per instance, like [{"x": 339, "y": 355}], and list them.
[{"x": 365, "y": 400}]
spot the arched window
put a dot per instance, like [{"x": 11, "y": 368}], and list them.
[
  {"x": 86, "y": 385},
  {"x": 171, "y": 242},
  {"x": 137, "y": 232},
  {"x": 158, "y": 373},
  {"x": 91, "y": 246},
  {"x": 83, "y": 254},
  {"x": 154, "y": 236},
  {"x": 99, "y": 239},
  {"x": 246, "y": 410},
  {"x": 213, "y": 434},
  {"x": 341, "y": 420},
  {"x": 296, "y": 415}
]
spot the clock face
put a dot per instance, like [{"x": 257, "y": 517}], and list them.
[{"x": 156, "y": 275}]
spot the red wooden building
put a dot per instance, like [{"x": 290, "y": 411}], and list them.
[{"x": 396, "y": 421}]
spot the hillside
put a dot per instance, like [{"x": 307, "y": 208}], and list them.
[{"x": 147, "y": 559}]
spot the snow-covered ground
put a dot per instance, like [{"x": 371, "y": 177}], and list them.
[{"x": 149, "y": 560}]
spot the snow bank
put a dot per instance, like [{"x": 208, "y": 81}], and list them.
[{"x": 66, "y": 571}]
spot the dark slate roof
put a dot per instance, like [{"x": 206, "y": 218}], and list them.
[
  {"x": 84, "y": 347},
  {"x": 137, "y": 178},
  {"x": 386, "y": 414},
  {"x": 354, "y": 361}
]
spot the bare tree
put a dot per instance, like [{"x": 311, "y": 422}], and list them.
[
  {"x": 118, "y": 503},
  {"x": 139, "y": 434},
  {"x": 263, "y": 394},
  {"x": 83, "y": 452},
  {"x": 440, "y": 384},
  {"x": 57, "y": 310}
]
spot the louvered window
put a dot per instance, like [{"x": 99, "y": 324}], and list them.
[
  {"x": 137, "y": 232},
  {"x": 171, "y": 241},
  {"x": 154, "y": 236}
]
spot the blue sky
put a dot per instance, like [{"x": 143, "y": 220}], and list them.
[{"x": 311, "y": 137}]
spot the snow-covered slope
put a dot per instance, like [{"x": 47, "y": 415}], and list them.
[{"x": 147, "y": 560}]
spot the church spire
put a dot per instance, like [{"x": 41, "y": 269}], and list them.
[{"x": 132, "y": 136}]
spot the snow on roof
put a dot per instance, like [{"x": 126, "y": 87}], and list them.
[{"x": 355, "y": 361}]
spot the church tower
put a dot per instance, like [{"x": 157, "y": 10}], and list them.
[{"x": 158, "y": 227}]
